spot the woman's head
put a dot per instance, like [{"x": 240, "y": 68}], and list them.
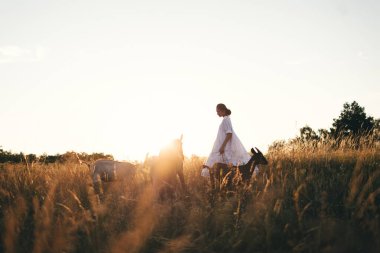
[{"x": 222, "y": 110}]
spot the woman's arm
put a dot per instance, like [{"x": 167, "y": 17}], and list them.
[{"x": 226, "y": 140}]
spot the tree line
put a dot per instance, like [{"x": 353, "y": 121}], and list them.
[
  {"x": 353, "y": 124},
  {"x": 8, "y": 156}
]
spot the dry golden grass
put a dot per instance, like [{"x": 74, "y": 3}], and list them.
[{"x": 309, "y": 198}]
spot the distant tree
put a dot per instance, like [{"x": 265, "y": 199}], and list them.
[
  {"x": 72, "y": 156},
  {"x": 352, "y": 121},
  {"x": 323, "y": 134},
  {"x": 69, "y": 156},
  {"x": 307, "y": 134},
  {"x": 52, "y": 158},
  {"x": 32, "y": 158},
  {"x": 3, "y": 156},
  {"x": 8, "y": 156},
  {"x": 93, "y": 157},
  {"x": 376, "y": 128},
  {"x": 96, "y": 156}
]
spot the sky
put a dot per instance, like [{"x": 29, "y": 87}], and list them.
[{"x": 126, "y": 77}]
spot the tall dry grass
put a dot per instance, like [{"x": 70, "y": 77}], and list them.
[{"x": 309, "y": 198}]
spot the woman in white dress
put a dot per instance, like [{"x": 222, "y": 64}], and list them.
[{"x": 227, "y": 148}]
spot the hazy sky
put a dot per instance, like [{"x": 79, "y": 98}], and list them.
[{"x": 126, "y": 77}]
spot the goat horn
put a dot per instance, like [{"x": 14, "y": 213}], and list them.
[{"x": 258, "y": 150}]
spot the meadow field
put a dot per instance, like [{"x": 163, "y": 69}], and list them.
[{"x": 309, "y": 198}]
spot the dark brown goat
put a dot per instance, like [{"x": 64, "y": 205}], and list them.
[{"x": 224, "y": 174}]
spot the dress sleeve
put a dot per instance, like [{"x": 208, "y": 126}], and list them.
[{"x": 227, "y": 126}]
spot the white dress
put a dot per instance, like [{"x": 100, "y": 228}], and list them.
[{"x": 234, "y": 152}]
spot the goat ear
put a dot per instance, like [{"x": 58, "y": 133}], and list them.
[
  {"x": 253, "y": 151},
  {"x": 265, "y": 161}
]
